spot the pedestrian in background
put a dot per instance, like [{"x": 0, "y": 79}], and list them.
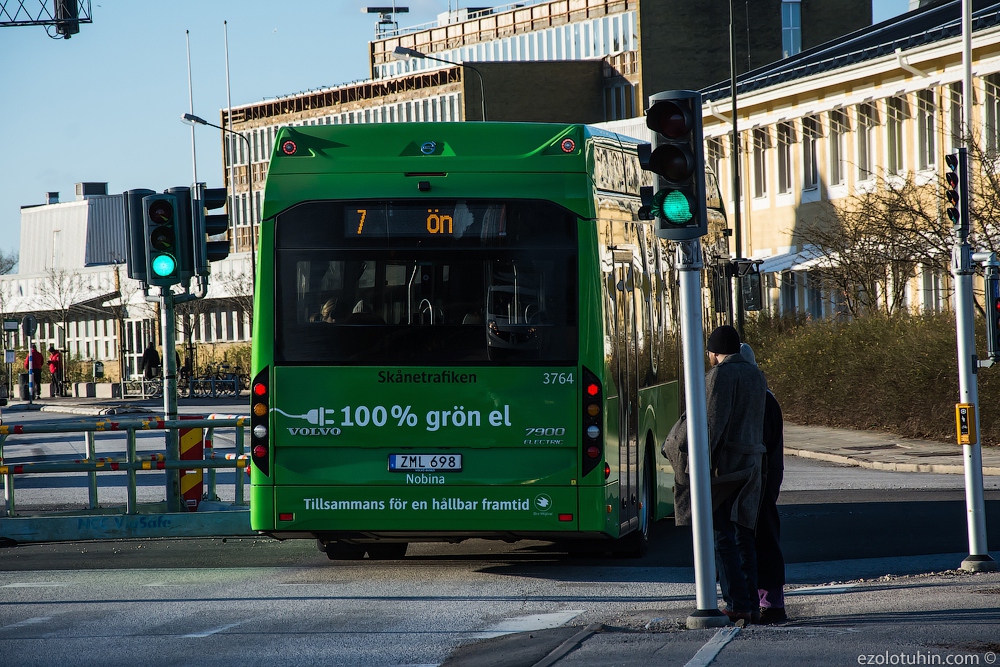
[
  {"x": 770, "y": 561},
  {"x": 735, "y": 408},
  {"x": 33, "y": 364},
  {"x": 150, "y": 363},
  {"x": 55, "y": 371}
]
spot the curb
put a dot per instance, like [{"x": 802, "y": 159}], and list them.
[{"x": 947, "y": 469}]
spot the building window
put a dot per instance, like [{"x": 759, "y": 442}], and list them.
[
  {"x": 714, "y": 151},
  {"x": 811, "y": 131},
  {"x": 867, "y": 122},
  {"x": 788, "y": 293},
  {"x": 839, "y": 128},
  {"x": 761, "y": 139},
  {"x": 955, "y": 111},
  {"x": 791, "y": 28},
  {"x": 896, "y": 112},
  {"x": 786, "y": 137},
  {"x": 926, "y": 124},
  {"x": 992, "y": 125}
]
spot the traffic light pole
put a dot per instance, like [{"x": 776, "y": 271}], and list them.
[
  {"x": 170, "y": 397},
  {"x": 978, "y": 559},
  {"x": 689, "y": 264}
]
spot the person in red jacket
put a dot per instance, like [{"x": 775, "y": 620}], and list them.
[
  {"x": 55, "y": 370},
  {"x": 33, "y": 363}
]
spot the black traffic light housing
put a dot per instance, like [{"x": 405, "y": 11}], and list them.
[
  {"x": 677, "y": 157},
  {"x": 992, "y": 283},
  {"x": 185, "y": 233},
  {"x": 956, "y": 193},
  {"x": 160, "y": 215},
  {"x": 205, "y": 225},
  {"x": 135, "y": 233}
]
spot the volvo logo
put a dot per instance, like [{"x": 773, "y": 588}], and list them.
[{"x": 428, "y": 147}]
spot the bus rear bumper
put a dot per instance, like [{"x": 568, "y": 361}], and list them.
[{"x": 452, "y": 537}]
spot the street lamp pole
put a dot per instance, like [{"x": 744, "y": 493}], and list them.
[
  {"x": 192, "y": 120},
  {"x": 403, "y": 53}
]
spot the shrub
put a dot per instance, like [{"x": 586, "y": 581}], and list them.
[{"x": 896, "y": 373}]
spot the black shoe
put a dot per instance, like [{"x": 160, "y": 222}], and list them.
[{"x": 771, "y": 616}]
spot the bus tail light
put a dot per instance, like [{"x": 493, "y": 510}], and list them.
[
  {"x": 259, "y": 412},
  {"x": 593, "y": 422}
]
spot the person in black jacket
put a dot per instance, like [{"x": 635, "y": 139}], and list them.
[
  {"x": 735, "y": 410},
  {"x": 150, "y": 363},
  {"x": 770, "y": 561}
]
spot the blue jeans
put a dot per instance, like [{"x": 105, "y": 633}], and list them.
[{"x": 736, "y": 561}]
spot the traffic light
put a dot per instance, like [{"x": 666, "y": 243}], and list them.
[
  {"x": 205, "y": 251},
  {"x": 160, "y": 213},
  {"x": 957, "y": 192},
  {"x": 135, "y": 233},
  {"x": 185, "y": 234},
  {"x": 992, "y": 283},
  {"x": 677, "y": 157}
]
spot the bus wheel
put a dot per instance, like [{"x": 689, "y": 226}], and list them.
[
  {"x": 636, "y": 544},
  {"x": 387, "y": 551},
  {"x": 343, "y": 551}
]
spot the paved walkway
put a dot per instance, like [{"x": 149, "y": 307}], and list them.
[{"x": 881, "y": 451}]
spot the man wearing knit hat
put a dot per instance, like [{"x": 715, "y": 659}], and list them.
[{"x": 735, "y": 408}]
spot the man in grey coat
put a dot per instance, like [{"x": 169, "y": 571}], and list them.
[{"x": 735, "y": 407}]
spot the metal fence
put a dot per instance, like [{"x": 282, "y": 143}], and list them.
[{"x": 97, "y": 521}]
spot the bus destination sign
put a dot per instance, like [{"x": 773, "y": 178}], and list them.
[{"x": 405, "y": 221}]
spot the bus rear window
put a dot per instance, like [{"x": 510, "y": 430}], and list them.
[{"x": 428, "y": 283}]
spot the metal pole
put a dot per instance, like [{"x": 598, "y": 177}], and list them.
[
  {"x": 689, "y": 262},
  {"x": 238, "y": 499},
  {"x": 735, "y": 160},
  {"x": 91, "y": 456},
  {"x": 130, "y": 503},
  {"x": 194, "y": 155},
  {"x": 170, "y": 397},
  {"x": 978, "y": 559},
  {"x": 232, "y": 169},
  {"x": 31, "y": 374}
]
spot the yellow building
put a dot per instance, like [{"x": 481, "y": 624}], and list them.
[{"x": 881, "y": 105}]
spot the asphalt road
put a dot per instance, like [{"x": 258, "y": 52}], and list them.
[{"x": 258, "y": 601}]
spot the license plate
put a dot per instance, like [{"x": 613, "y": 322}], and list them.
[{"x": 425, "y": 462}]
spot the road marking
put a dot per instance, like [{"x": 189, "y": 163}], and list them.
[
  {"x": 509, "y": 626},
  {"x": 26, "y": 622},
  {"x": 822, "y": 590},
  {"x": 36, "y": 584},
  {"x": 208, "y": 633},
  {"x": 706, "y": 654}
]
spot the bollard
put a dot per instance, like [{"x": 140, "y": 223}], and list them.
[
  {"x": 210, "y": 454},
  {"x": 130, "y": 502},
  {"x": 240, "y": 471},
  {"x": 92, "y": 481}
]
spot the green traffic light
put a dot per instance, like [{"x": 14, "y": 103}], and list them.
[
  {"x": 672, "y": 205},
  {"x": 164, "y": 265}
]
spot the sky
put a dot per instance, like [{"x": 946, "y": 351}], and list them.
[{"x": 106, "y": 104}]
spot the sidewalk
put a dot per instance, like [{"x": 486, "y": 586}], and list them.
[{"x": 881, "y": 451}]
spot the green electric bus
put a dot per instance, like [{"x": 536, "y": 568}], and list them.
[{"x": 460, "y": 330}]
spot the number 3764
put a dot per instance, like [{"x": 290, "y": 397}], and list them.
[{"x": 557, "y": 378}]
